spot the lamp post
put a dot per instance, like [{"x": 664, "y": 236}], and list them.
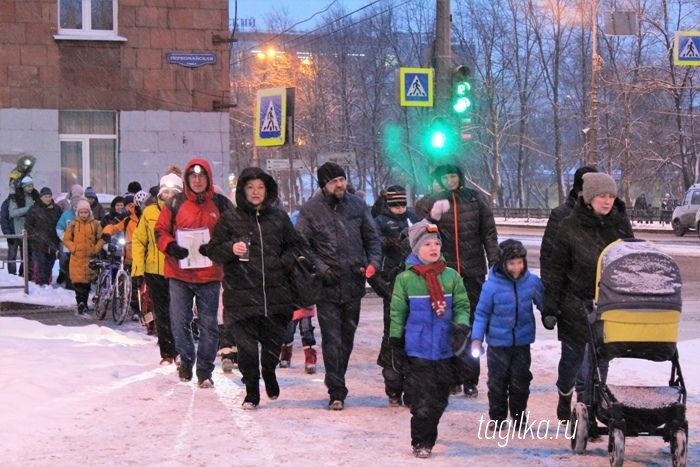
[{"x": 596, "y": 65}]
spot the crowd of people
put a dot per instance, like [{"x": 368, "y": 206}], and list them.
[{"x": 446, "y": 283}]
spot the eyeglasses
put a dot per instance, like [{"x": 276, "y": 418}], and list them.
[{"x": 432, "y": 228}]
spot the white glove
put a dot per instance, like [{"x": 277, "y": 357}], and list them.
[{"x": 440, "y": 207}]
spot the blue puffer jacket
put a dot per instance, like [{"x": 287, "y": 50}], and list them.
[{"x": 504, "y": 313}]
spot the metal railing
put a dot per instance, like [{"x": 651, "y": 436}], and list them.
[{"x": 24, "y": 261}]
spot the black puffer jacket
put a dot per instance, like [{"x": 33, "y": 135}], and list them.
[
  {"x": 259, "y": 286},
  {"x": 41, "y": 227},
  {"x": 581, "y": 238},
  {"x": 393, "y": 232},
  {"x": 476, "y": 238},
  {"x": 344, "y": 237},
  {"x": 550, "y": 233}
]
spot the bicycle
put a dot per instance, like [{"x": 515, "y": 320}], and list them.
[{"x": 113, "y": 283}]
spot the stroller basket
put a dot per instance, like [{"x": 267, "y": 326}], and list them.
[{"x": 638, "y": 301}]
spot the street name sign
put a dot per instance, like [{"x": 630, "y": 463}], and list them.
[
  {"x": 190, "y": 60},
  {"x": 416, "y": 87},
  {"x": 283, "y": 164}
]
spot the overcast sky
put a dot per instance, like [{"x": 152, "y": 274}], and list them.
[{"x": 299, "y": 10}]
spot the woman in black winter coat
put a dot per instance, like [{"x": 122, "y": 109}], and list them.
[
  {"x": 257, "y": 300},
  {"x": 598, "y": 219},
  {"x": 44, "y": 244}
]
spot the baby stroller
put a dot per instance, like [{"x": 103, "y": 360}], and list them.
[{"x": 635, "y": 315}]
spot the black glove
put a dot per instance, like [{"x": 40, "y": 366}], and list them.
[
  {"x": 106, "y": 238},
  {"x": 549, "y": 321},
  {"x": 460, "y": 337},
  {"x": 398, "y": 354},
  {"x": 176, "y": 251},
  {"x": 330, "y": 277},
  {"x": 204, "y": 249},
  {"x": 137, "y": 281}
]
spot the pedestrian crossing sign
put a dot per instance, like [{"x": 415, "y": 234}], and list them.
[
  {"x": 416, "y": 87},
  {"x": 270, "y": 117},
  {"x": 686, "y": 50}
]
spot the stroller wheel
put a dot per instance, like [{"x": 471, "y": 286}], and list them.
[
  {"x": 616, "y": 447},
  {"x": 679, "y": 448},
  {"x": 578, "y": 428}
]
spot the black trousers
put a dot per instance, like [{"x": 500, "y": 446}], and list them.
[
  {"x": 467, "y": 369},
  {"x": 428, "y": 382},
  {"x": 338, "y": 322},
  {"x": 82, "y": 292},
  {"x": 268, "y": 332},
  {"x": 159, "y": 289},
  {"x": 509, "y": 381},
  {"x": 394, "y": 381}
]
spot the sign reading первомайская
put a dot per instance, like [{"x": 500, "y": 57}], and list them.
[{"x": 191, "y": 59}]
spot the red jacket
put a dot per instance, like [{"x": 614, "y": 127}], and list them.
[{"x": 196, "y": 211}]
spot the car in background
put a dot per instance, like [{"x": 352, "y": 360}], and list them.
[{"x": 685, "y": 216}]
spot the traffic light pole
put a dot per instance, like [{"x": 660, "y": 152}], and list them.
[{"x": 442, "y": 57}]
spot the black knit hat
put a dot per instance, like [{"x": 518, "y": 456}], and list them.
[
  {"x": 395, "y": 195},
  {"x": 45, "y": 191},
  {"x": 134, "y": 187},
  {"x": 328, "y": 172},
  {"x": 578, "y": 177}
]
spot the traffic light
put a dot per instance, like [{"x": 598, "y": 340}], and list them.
[
  {"x": 462, "y": 101},
  {"x": 440, "y": 138}
]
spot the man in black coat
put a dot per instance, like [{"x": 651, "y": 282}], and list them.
[
  {"x": 41, "y": 232},
  {"x": 469, "y": 238},
  {"x": 342, "y": 234}
]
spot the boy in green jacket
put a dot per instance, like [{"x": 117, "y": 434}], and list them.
[{"x": 429, "y": 325}]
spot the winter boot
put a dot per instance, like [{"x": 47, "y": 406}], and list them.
[
  {"x": 229, "y": 359},
  {"x": 564, "y": 405},
  {"x": 272, "y": 388},
  {"x": 286, "y": 355},
  {"x": 471, "y": 391},
  {"x": 310, "y": 360},
  {"x": 184, "y": 371},
  {"x": 252, "y": 395}
]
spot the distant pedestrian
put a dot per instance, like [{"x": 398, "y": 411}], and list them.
[
  {"x": 98, "y": 212},
  {"x": 43, "y": 241},
  {"x": 429, "y": 326},
  {"x": 343, "y": 236},
  {"x": 641, "y": 209},
  {"x": 20, "y": 203}
]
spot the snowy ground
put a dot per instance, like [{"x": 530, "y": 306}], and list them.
[{"x": 95, "y": 395}]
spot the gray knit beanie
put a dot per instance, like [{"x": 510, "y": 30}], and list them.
[
  {"x": 421, "y": 232},
  {"x": 595, "y": 184}
]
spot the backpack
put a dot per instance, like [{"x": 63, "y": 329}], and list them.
[
  {"x": 5, "y": 222},
  {"x": 223, "y": 204}
]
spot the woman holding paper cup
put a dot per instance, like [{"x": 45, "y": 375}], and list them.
[{"x": 254, "y": 243}]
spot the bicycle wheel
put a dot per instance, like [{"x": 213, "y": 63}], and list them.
[
  {"x": 104, "y": 283},
  {"x": 122, "y": 297}
]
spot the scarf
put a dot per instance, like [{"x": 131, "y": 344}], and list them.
[{"x": 430, "y": 273}]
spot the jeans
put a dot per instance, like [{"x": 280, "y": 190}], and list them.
[
  {"x": 508, "y": 381},
  {"x": 570, "y": 367},
  {"x": 182, "y": 295},
  {"x": 338, "y": 322},
  {"x": 160, "y": 295},
  {"x": 306, "y": 329}
]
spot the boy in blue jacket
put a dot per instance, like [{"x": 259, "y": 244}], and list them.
[
  {"x": 504, "y": 314},
  {"x": 429, "y": 325}
]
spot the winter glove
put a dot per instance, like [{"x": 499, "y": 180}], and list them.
[
  {"x": 549, "y": 321},
  {"x": 136, "y": 281},
  {"x": 176, "y": 251},
  {"x": 370, "y": 271},
  {"x": 440, "y": 207},
  {"x": 204, "y": 249},
  {"x": 106, "y": 238},
  {"x": 330, "y": 277},
  {"x": 460, "y": 336},
  {"x": 398, "y": 354}
]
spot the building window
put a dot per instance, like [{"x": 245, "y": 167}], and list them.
[
  {"x": 88, "y": 149},
  {"x": 87, "y": 20}
]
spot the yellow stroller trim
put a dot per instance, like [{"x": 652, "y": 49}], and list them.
[{"x": 640, "y": 325}]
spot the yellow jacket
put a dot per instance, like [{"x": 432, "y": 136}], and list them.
[{"x": 146, "y": 255}]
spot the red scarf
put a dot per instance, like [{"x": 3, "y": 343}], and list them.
[{"x": 430, "y": 273}]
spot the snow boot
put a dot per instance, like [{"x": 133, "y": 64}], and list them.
[
  {"x": 229, "y": 360},
  {"x": 564, "y": 405},
  {"x": 286, "y": 355},
  {"x": 421, "y": 452},
  {"x": 310, "y": 360},
  {"x": 272, "y": 388},
  {"x": 471, "y": 391},
  {"x": 184, "y": 371},
  {"x": 252, "y": 395}
]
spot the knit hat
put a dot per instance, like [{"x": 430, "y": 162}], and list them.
[
  {"x": 170, "y": 182},
  {"x": 45, "y": 191},
  {"x": 421, "y": 232},
  {"x": 597, "y": 183},
  {"x": 133, "y": 187},
  {"x": 578, "y": 177},
  {"x": 82, "y": 204},
  {"x": 395, "y": 195},
  {"x": 26, "y": 181},
  {"x": 76, "y": 190},
  {"x": 90, "y": 192},
  {"x": 328, "y": 172}
]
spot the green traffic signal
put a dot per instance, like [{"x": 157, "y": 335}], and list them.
[
  {"x": 461, "y": 101},
  {"x": 438, "y": 139}
]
